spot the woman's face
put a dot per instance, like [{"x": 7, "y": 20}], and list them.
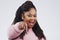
[{"x": 30, "y": 17}]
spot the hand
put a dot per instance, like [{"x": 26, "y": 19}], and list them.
[{"x": 23, "y": 26}]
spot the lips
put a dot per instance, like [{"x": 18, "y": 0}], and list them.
[{"x": 31, "y": 22}]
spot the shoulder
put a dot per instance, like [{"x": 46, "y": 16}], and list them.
[{"x": 14, "y": 25}]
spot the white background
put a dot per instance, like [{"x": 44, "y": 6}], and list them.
[{"x": 48, "y": 12}]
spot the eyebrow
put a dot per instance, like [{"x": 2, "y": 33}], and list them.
[{"x": 31, "y": 14}]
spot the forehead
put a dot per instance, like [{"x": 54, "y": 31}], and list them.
[{"x": 32, "y": 11}]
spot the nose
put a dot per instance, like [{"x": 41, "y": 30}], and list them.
[{"x": 33, "y": 18}]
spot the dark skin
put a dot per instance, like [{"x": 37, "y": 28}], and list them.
[{"x": 29, "y": 19}]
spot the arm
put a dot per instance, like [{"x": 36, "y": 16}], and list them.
[{"x": 14, "y": 31}]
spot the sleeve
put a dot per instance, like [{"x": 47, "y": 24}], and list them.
[
  {"x": 42, "y": 39},
  {"x": 14, "y": 31}
]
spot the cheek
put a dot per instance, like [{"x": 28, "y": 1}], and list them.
[
  {"x": 29, "y": 19},
  {"x": 26, "y": 19}
]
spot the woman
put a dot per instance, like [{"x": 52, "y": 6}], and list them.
[{"x": 25, "y": 25}]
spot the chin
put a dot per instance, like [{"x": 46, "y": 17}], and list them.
[{"x": 31, "y": 26}]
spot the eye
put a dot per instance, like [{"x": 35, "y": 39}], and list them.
[
  {"x": 34, "y": 15},
  {"x": 29, "y": 15}
]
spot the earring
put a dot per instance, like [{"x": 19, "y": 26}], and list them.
[{"x": 22, "y": 18}]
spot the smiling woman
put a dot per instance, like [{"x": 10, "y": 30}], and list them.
[
  {"x": 30, "y": 17},
  {"x": 25, "y": 25}
]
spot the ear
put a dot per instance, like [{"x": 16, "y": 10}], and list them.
[{"x": 22, "y": 16}]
